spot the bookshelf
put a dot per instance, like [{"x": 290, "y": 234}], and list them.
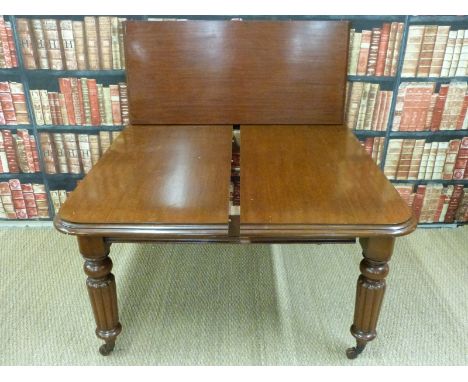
[{"x": 48, "y": 79}]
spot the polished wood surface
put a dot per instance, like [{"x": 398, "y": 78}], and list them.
[
  {"x": 314, "y": 175},
  {"x": 157, "y": 175},
  {"x": 229, "y": 72}
]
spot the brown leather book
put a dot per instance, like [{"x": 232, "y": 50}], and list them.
[
  {"x": 92, "y": 42},
  {"x": 53, "y": 44},
  {"x": 115, "y": 101},
  {"x": 461, "y": 161},
  {"x": 94, "y": 102},
  {"x": 18, "y": 199},
  {"x": 453, "y": 203},
  {"x": 364, "y": 52},
  {"x": 427, "y": 50},
  {"x": 382, "y": 50},
  {"x": 449, "y": 165},
  {"x": 66, "y": 89},
  {"x": 439, "y": 50},
  {"x": 439, "y": 107},
  {"x": 26, "y": 43},
  {"x": 373, "y": 51},
  {"x": 419, "y": 200}
]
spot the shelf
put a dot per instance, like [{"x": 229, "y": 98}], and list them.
[
  {"x": 431, "y": 181},
  {"x": 429, "y": 134},
  {"x": 67, "y": 176},
  {"x": 434, "y": 79},
  {"x": 9, "y": 72},
  {"x": 438, "y": 19},
  {"x": 39, "y": 73},
  {"x": 78, "y": 128},
  {"x": 369, "y": 133},
  {"x": 370, "y": 78},
  {"x": 35, "y": 177},
  {"x": 16, "y": 127},
  {"x": 439, "y": 225}
]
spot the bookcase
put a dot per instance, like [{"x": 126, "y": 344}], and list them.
[{"x": 383, "y": 84}]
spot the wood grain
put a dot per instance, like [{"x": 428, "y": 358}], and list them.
[
  {"x": 314, "y": 175},
  {"x": 227, "y": 72},
  {"x": 157, "y": 175}
]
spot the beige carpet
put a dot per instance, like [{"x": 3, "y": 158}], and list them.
[{"x": 225, "y": 304}]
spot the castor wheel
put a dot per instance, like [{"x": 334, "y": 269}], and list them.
[
  {"x": 107, "y": 348},
  {"x": 353, "y": 352}
]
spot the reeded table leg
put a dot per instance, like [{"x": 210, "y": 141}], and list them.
[
  {"x": 370, "y": 290},
  {"x": 101, "y": 288}
]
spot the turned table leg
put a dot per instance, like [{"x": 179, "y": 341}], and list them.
[
  {"x": 101, "y": 288},
  {"x": 370, "y": 290}
]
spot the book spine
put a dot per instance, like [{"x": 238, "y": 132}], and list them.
[
  {"x": 107, "y": 106},
  {"x": 19, "y": 103},
  {"x": 54, "y": 195},
  {"x": 393, "y": 158},
  {"x": 66, "y": 90},
  {"x": 8, "y": 63},
  {"x": 431, "y": 160},
  {"x": 80, "y": 45},
  {"x": 37, "y": 107},
  {"x": 115, "y": 102},
  {"x": 448, "y": 54},
  {"x": 121, "y": 42},
  {"x": 104, "y": 141},
  {"x": 26, "y": 43},
  {"x": 382, "y": 49},
  {"x": 28, "y": 150},
  {"x": 453, "y": 105},
  {"x": 450, "y": 159},
  {"x": 456, "y": 52},
  {"x": 52, "y": 39},
  {"x": 363, "y": 106},
  {"x": 40, "y": 44},
  {"x": 353, "y": 104},
  {"x": 440, "y": 160},
  {"x": 29, "y": 200},
  {"x": 439, "y": 107},
  {"x": 60, "y": 153},
  {"x": 6, "y": 200},
  {"x": 396, "y": 50},
  {"x": 86, "y": 103},
  {"x": 63, "y": 109},
  {"x": 41, "y": 200},
  {"x": 94, "y": 148},
  {"x": 85, "y": 152},
  {"x": 413, "y": 49},
  {"x": 461, "y": 117},
  {"x": 6, "y": 102},
  {"x": 68, "y": 42},
  {"x": 427, "y": 49},
  {"x": 11, "y": 45},
  {"x": 105, "y": 42},
  {"x": 430, "y": 112},
  {"x": 405, "y": 159},
  {"x": 390, "y": 49},
  {"x": 20, "y": 154},
  {"x": 93, "y": 102},
  {"x": 354, "y": 55},
  {"x": 53, "y": 109},
  {"x": 457, "y": 195},
  {"x": 50, "y": 161},
  {"x": 364, "y": 52},
  {"x": 416, "y": 158},
  {"x": 418, "y": 201},
  {"x": 35, "y": 154},
  {"x": 379, "y": 106},
  {"x": 18, "y": 199},
  {"x": 2, "y": 116},
  {"x": 461, "y": 161},
  {"x": 46, "y": 109},
  {"x": 462, "y": 67},
  {"x": 386, "y": 114},
  {"x": 72, "y": 153},
  {"x": 92, "y": 45},
  {"x": 3, "y": 158},
  {"x": 102, "y": 115},
  {"x": 116, "y": 60},
  {"x": 124, "y": 102},
  {"x": 81, "y": 100},
  {"x": 76, "y": 103},
  {"x": 424, "y": 159},
  {"x": 350, "y": 48},
  {"x": 439, "y": 50},
  {"x": 400, "y": 101},
  {"x": 373, "y": 51}
]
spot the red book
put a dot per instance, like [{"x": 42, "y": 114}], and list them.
[
  {"x": 66, "y": 90},
  {"x": 94, "y": 102},
  {"x": 2, "y": 116},
  {"x": 6, "y": 101},
  {"x": 80, "y": 97},
  {"x": 4, "y": 42},
  {"x": 10, "y": 151},
  {"x": 382, "y": 53},
  {"x": 453, "y": 204},
  {"x": 439, "y": 107},
  {"x": 77, "y": 102},
  {"x": 18, "y": 199},
  {"x": 368, "y": 144},
  {"x": 462, "y": 160},
  {"x": 29, "y": 200},
  {"x": 364, "y": 52},
  {"x": 418, "y": 201},
  {"x": 115, "y": 103},
  {"x": 461, "y": 117},
  {"x": 440, "y": 206},
  {"x": 11, "y": 44},
  {"x": 37, "y": 165}
]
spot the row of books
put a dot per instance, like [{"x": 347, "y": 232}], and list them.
[
  {"x": 234, "y": 187},
  {"x": 18, "y": 152},
  {"x": 434, "y": 203},
  {"x": 23, "y": 201},
  {"x": 374, "y": 147},
  {"x": 417, "y": 159},
  {"x": 435, "y": 51},
  {"x": 93, "y": 44},
  {"x": 367, "y": 107},
  {"x": 13, "y": 110},
  {"x": 81, "y": 101},
  {"x": 69, "y": 153},
  {"x": 8, "y": 56},
  {"x": 375, "y": 52},
  {"x": 58, "y": 197},
  {"x": 419, "y": 108}
]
